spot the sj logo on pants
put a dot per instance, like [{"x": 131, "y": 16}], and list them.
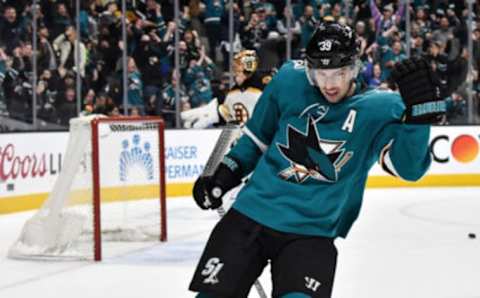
[{"x": 212, "y": 268}]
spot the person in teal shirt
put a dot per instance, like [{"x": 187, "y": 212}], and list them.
[
  {"x": 308, "y": 147},
  {"x": 390, "y": 56},
  {"x": 135, "y": 87}
]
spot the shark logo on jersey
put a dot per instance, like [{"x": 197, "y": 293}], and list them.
[{"x": 311, "y": 156}]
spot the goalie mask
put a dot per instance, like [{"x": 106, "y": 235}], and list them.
[
  {"x": 331, "y": 56},
  {"x": 245, "y": 62}
]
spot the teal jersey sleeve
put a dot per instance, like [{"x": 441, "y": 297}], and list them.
[{"x": 402, "y": 150}]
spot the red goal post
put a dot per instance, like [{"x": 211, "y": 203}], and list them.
[{"x": 159, "y": 124}]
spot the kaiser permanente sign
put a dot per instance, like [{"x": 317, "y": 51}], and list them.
[{"x": 30, "y": 163}]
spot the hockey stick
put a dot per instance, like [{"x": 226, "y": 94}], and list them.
[{"x": 227, "y": 138}]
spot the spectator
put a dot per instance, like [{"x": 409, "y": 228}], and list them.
[
  {"x": 391, "y": 56},
  {"x": 213, "y": 13},
  {"x": 198, "y": 80},
  {"x": 3, "y": 71},
  {"x": 46, "y": 54},
  {"x": 444, "y": 33},
  {"x": 61, "y": 20},
  {"x": 254, "y": 32},
  {"x": 67, "y": 107},
  {"x": 111, "y": 15},
  {"x": 66, "y": 45},
  {"x": 46, "y": 96},
  {"x": 308, "y": 23},
  {"x": 377, "y": 78},
  {"x": 476, "y": 48},
  {"x": 167, "y": 106},
  {"x": 193, "y": 44},
  {"x": 148, "y": 56},
  {"x": 362, "y": 37},
  {"x": 104, "y": 105},
  {"x": 155, "y": 17},
  {"x": 422, "y": 21},
  {"x": 295, "y": 27},
  {"x": 385, "y": 19},
  {"x": 89, "y": 100},
  {"x": 11, "y": 29},
  {"x": 236, "y": 46},
  {"x": 135, "y": 87},
  {"x": 200, "y": 91},
  {"x": 456, "y": 109}
]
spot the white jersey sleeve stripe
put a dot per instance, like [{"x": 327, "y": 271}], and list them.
[
  {"x": 262, "y": 146},
  {"x": 386, "y": 161}
]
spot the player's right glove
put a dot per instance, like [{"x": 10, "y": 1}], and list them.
[
  {"x": 420, "y": 91},
  {"x": 209, "y": 190}
]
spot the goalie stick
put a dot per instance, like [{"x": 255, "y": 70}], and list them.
[{"x": 229, "y": 135}]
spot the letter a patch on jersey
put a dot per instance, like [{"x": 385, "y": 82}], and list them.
[
  {"x": 312, "y": 157},
  {"x": 350, "y": 121}
]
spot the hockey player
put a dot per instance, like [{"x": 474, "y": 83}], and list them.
[
  {"x": 310, "y": 143},
  {"x": 239, "y": 101}
]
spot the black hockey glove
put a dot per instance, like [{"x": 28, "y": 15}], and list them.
[
  {"x": 420, "y": 91},
  {"x": 209, "y": 190}
]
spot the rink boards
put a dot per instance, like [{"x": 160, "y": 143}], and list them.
[{"x": 30, "y": 163}]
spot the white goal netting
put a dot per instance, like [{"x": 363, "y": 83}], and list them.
[{"x": 129, "y": 192}]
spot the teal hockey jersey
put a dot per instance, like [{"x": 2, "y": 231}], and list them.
[{"x": 310, "y": 158}]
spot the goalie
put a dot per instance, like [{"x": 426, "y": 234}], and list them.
[{"x": 238, "y": 104}]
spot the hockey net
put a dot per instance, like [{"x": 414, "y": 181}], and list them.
[{"x": 111, "y": 190}]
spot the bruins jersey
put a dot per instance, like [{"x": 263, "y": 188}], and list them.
[{"x": 238, "y": 104}]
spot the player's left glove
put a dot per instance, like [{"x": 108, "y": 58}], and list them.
[
  {"x": 209, "y": 190},
  {"x": 420, "y": 91}
]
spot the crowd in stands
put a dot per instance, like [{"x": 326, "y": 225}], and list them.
[{"x": 438, "y": 31}]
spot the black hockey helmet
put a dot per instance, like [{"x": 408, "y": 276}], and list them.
[{"x": 332, "y": 45}]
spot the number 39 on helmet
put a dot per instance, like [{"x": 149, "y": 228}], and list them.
[{"x": 332, "y": 45}]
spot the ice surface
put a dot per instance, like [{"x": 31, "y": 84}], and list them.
[{"x": 407, "y": 243}]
